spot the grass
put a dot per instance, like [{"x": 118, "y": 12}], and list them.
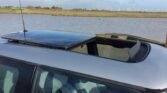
[{"x": 86, "y": 13}]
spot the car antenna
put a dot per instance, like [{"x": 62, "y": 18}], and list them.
[{"x": 22, "y": 16}]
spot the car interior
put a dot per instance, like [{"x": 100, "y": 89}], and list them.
[
  {"x": 126, "y": 51},
  {"x": 8, "y": 79},
  {"x": 49, "y": 82}
]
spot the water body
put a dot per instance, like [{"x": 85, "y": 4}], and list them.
[{"x": 152, "y": 28}]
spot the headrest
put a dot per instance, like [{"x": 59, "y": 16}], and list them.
[{"x": 134, "y": 50}]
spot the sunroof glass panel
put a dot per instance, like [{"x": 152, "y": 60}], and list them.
[{"x": 50, "y": 38}]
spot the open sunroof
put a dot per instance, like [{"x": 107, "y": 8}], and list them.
[{"x": 53, "y": 39}]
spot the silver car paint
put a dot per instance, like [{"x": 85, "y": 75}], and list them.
[{"x": 151, "y": 73}]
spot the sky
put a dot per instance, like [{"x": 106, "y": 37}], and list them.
[{"x": 131, "y": 5}]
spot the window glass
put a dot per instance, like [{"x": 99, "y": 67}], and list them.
[
  {"x": 81, "y": 49},
  {"x": 15, "y": 76},
  {"x": 48, "y": 81},
  {"x": 8, "y": 79},
  {"x": 111, "y": 52}
]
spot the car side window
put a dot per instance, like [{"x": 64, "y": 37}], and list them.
[
  {"x": 15, "y": 76},
  {"x": 8, "y": 78},
  {"x": 48, "y": 81}
]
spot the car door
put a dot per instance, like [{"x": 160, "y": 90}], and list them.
[{"x": 15, "y": 76}]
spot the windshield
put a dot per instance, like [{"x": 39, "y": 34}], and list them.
[{"x": 146, "y": 19}]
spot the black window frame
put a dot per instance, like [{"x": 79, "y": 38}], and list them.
[
  {"x": 85, "y": 77},
  {"x": 25, "y": 78}
]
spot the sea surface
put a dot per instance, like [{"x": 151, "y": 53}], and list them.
[{"x": 152, "y": 28}]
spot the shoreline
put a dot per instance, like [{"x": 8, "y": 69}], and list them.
[{"x": 86, "y": 13}]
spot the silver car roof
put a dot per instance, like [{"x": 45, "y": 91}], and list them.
[{"x": 151, "y": 73}]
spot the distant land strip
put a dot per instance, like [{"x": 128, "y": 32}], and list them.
[{"x": 57, "y": 11}]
